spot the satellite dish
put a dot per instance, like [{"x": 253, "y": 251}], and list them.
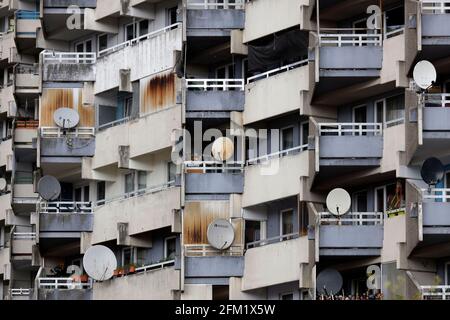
[
  {"x": 220, "y": 234},
  {"x": 222, "y": 149},
  {"x": 424, "y": 74},
  {"x": 49, "y": 188},
  {"x": 432, "y": 171},
  {"x": 99, "y": 262},
  {"x": 3, "y": 184},
  {"x": 329, "y": 281},
  {"x": 66, "y": 118},
  {"x": 338, "y": 202}
]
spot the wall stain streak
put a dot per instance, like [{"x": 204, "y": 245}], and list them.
[{"x": 157, "y": 92}]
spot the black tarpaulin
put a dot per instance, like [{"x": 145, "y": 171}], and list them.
[{"x": 285, "y": 48}]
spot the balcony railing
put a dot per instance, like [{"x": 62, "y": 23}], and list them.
[
  {"x": 276, "y": 155},
  {"x": 353, "y": 218},
  {"x": 214, "y": 4},
  {"x": 69, "y": 57},
  {"x": 436, "y": 194},
  {"x": 215, "y": 84},
  {"x": 27, "y": 15},
  {"x": 213, "y": 166},
  {"x": 435, "y": 292},
  {"x": 204, "y": 250},
  {"x": 272, "y": 240},
  {"x": 394, "y": 32},
  {"x": 135, "y": 41},
  {"x": 437, "y": 99},
  {"x": 277, "y": 71},
  {"x": 341, "y": 129},
  {"x": 24, "y": 235},
  {"x": 66, "y": 207},
  {"x": 55, "y": 132},
  {"x": 113, "y": 123},
  {"x": 435, "y": 6},
  {"x": 357, "y": 37},
  {"x": 21, "y": 292},
  {"x": 138, "y": 193},
  {"x": 63, "y": 284}
]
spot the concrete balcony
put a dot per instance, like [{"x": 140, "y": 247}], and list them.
[
  {"x": 68, "y": 66},
  {"x": 275, "y": 176},
  {"x": 259, "y": 21},
  {"x": 435, "y": 23},
  {"x": 354, "y": 234},
  {"x": 434, "y": 218},
  {"x": 27, "y": 79},
  {"x": 22, "y": 244},
  {"x": 27, "y": 23},
  {"x": 63, "y": 289},
  {"x": 67, "y": 3},
  {"x": 24, "y": 191},
  {"x": 134, "y": 134},
  {"x": 143, "y": 211},
  {"x": 6, "y": 154},
  {"x": 214, "y": 266},
  {"x": 5, "y": 205},
  {"x": 5, "y": 258},
  {"x": 144, "y": 56},
  {"x": 151, "y": 284},
  {"x": 24, "y": 137},
  {"x": 209, "y": 95},
  {"x": 65, "y": 219},
  {"x": 436, "y": 116},
  {"x": 203, "y": 15},
  {"x": 8, "y": 47},
  {"x": 276, "y": 263},
  {"x": 349, "y": 144},
  {"x": 54, "y": 142},
  {"x": 7, "y": 101},
  {"x": 288, "y": 82},
  {"x": 207, "y": 177},
  {"x": 21, "y": 294}
]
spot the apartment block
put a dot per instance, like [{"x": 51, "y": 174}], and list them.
[{"x": 313, "y": 95}]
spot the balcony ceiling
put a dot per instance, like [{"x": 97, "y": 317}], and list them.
[{"x": 338, "y": 10}]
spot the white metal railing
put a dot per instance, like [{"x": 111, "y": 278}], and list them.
[
  {"x": 20, "y": 292},
  {"x": 435, "y": 292},
  {"x": 56, "y": 132},
  {"x": 63, "y": 283},
  {"x": 349, "y": 37},
  {"x": 352, "y": 218},
  {"x": 393, "y": 33},
  {"x": 215, "y": 84},
  {"x": 214, "y": 4},
  {"x": 439, "y": 99},
  {"x": 24, "y": 235},
  {"x": 155, "y": 266},
  {"x": 66, "y": 207},
  {"x": 278, "y": 154},
  {"x": 272, "y": 240},
  {"x": 277, "y": 71},
  {"x": 439, "y": 194},
  {"x": 341, "y": 129},
  {"x": 394, "y": 122},
  {"x": 138, "y": 193},
  {"x": 69, "y": 57},
  {"x": 212, "y": 166},
  {"x": 203, "y": 250},
  {"x": 113, "y": 123},
  {"x": 435, "y": 6},
  {"x": 134, "y": 41}
]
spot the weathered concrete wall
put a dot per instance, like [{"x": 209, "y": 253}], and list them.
[
  {"x": 66, "y": 222},
  {"x": 66, "y": 72},
  {"x": 214, "y": 183},
  {"x": 65, "y": 147},
  {"x": 218, "y": 267},
  {"x": 215, "y": 19}
]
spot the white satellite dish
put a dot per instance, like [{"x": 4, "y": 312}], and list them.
[
  {"x": 424, "y": 74},
  {"x": 99, "y": 262},
  {"x": 222, "y": 149},
  {"x": 338, "y": 202},
  {"x": 49, "y": 188},
  {"x": 66, "y": 118},
  {"x": 220, "y": 234},
  {"x": 3, "y": 184}
]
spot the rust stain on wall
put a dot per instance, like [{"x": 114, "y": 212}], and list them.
[
  {"x": 157, "y": 92},
  {"x": 53, "y": 99}
]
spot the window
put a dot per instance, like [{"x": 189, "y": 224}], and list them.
[
  {"x": 390, "y": 197},
  {"x": 287, "y": 296},
  {"x": 102, "y": 42},
  {"x": 252, "y": 231},
  {"x": 77, "y": 195},
  {"x": 84, "y": 46},
  {"x": 170, "y": 248},
  {"x": 128, "y": 105},
  {"x": 287, "y": 138},
  {"x": 136, "y": 29},
  {"x": 142, "y": 180},
  {"x": 171, "y": 16},
  {"x": 380, "y": 199},
  {"x": 135, "y": 181},
  {"x": 81, "y": 194},
  {"x": 287, "y": 222},
  {"x": 129, "y": 183},
  {"x": 225, "y": 72},
  {"x": 360, "y": 201},
  {"x": 171, "y": 172},
  {"x": 304, "y": 133},
  {"x": 128, "y": 256},
  {"x": 390, "y": 111},
  {"x": 130, "y": 32},
  {"x": 394, "y": 19},
  {"x": 101, "y": 191}
]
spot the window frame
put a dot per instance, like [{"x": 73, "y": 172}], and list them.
[
  {"x": 282, "y": 212},
  {"x": 167, "y": 239}
]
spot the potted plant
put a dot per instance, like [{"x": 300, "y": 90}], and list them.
[
  {"x": 84, "y": 278},
  {"x": 132, "y": 268},
  {"x": 121, "y": 272}
]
